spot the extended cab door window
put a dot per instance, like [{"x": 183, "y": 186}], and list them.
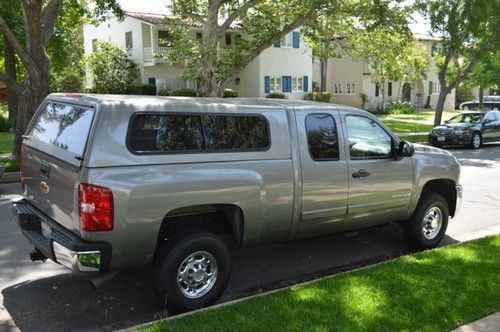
[
  {"x": 366, "y": 138},
  {"x": 322, "y": 137}
]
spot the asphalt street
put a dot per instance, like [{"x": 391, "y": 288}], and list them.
[{"x": 46, "y": 297}]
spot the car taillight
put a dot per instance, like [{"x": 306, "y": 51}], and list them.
[{"x": 96, "y": 208}]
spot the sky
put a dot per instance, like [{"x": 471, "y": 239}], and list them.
[{"x": 159, "y": 7}]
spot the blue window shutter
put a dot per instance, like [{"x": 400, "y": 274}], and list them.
[
  {"x": 305, "y": 84},
  {"x": 152, "y": 81},
  {"x": 267, "y": 84},
  {"x": 296, "y": 40},
  {"x": 430, "y": 87},
  {"x": 287, "y": 83},
  {"x": 277, "y": 43}
]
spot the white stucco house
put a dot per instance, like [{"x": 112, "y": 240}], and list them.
[
  {"x": 284, "y": 67},
  {"x": 347, "y": 78}
]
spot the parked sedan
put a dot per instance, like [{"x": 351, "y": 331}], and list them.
[
  {"x": 489, "y": 103},
  {"x": 467, "y": 128}
]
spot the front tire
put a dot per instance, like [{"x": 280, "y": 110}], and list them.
[
  {"x": 476, "y": 140},
  {"x": 428, "y": 224},
  {"x": 193, "y": 272}
]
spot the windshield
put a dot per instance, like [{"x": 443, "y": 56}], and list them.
[{"x": 466, "y": 118}]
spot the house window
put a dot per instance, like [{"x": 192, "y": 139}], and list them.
[
  {"x": 377, "y": 90},
  {"x": 434, "y": 88},
  {"x": 276, "y": 84},
  {"x": 164, "y": 38},
  {"x": 337, "y": 88},
  {"x": 297, "y": 84},
  {"x": 128, "y": 40},
  {"x": 287, "y": 41},
  {"x": 228, "y": 39},
  {"x": 351, "y": 88},
  {"x": 94, "y": 45},
  {"x": 389, "y": 89}
]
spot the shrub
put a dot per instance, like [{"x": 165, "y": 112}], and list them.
[
  {"x": 229, "y": 93},
  {"x": 165, "y": 92},
  {"x": 68, "y": 82},
  {"x": 148, "y": 89},
  {"x": 400, "y": 107},
  {"x": 276, "y": 95},
  {"x": 318, "y": 96},
  {"x": 5, "y": 123},
  {"x": 184, "y": 92},
  {"x": 112, "y": 69}
]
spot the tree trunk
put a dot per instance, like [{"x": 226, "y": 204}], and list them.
[
  {"x": 481, "y": 97},
  {"x": 440, "y": 106},
  {"x": 30, "y": 97},
  {"x": 324, "y": 66},
  {"x": 207, "y": 84},
  {"x": 12, "y": 89}
]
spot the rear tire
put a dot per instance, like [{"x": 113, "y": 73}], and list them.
[
  {"x": 476, "y": 140},
  {"x": 193, "y": 272},
  {"x": 427, "y": 226}
]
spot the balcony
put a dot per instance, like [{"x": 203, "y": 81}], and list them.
[{"x": 154, "y": 55}]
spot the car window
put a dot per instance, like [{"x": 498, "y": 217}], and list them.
[
  {"x": 65, "y": 126},
  {"x": 490, "y": 117},
  {"x": 466, "y": 118},
  {"x": 367, "y": 139},
  {"x": 322, "y": 137}
]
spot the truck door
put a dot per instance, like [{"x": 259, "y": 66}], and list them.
[
  {"x": 380, "y": 187},
  {"x": 324, "y": 172}
]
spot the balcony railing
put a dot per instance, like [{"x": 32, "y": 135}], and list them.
[{"x": 155, "y": 54}]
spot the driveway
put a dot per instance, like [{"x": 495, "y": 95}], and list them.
[{"x": 45, "y": 297}]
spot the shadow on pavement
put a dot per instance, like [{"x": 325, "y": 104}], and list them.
[
  {"x": 486, "y": 156},
  {"x": 68, "y": 302}
]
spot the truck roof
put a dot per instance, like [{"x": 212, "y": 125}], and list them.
[{"x": 93, "y": 99}]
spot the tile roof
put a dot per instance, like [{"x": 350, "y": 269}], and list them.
[{"x": 156, "y": 19}]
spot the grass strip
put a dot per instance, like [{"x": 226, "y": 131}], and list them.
[
  {"x": 414, "y": 138},
  {"x": 435, "y": 290},
  {"x": 427, "y": 116},
  {"x": 407, "y": 127},
  {"x": 6, "y": 142},
  {"x": 11, "y": 165}
]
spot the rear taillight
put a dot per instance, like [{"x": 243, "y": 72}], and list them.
[{"x": 96, "y": 208}]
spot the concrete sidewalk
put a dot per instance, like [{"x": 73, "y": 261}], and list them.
[{"x": 489, "y": 323}]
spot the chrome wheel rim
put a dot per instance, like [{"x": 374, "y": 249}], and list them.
[
  {"x": 432, "y": 223},
  {"x": 197, "y": 274},
  {"x": 476, "y": 141}
]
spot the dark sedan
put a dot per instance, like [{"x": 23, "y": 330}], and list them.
[{"x": 467, "y": 128}]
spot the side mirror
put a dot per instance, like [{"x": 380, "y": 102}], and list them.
[
  {"x": 486, "y": 121},
  {"x": 405, "y": 149}
]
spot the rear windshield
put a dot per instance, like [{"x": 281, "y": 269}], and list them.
[
  {"x": 198, "y": 133},
  {"x": 64, "y": 126}
]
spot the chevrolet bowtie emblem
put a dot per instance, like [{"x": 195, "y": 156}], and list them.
[{"x": 44, "y": 187}]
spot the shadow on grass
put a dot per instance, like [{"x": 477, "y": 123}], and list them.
[{"x": 430, "y": 291}]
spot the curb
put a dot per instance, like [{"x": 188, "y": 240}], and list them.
[{"x": 10, "y": 177}]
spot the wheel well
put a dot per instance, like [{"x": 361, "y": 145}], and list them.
[
  {"x": 225, "y": 220},
  {"x": 445, "y": 188}
]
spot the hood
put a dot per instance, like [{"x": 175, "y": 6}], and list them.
[
  {"x": 420, "y": 148},
  {"x": 453, "y": 126}
]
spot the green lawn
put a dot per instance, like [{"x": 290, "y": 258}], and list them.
[
  {"x": 427, "y": 116},
  {"x": 436, "y": 290},
  {"x": 407, "y": 127},
  {"x": 6, "y": 142},
  {"x": 415, "y": 138},
  {"x": 11, "y": 165}
]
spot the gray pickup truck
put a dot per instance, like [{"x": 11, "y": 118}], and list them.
[{"x": 112, "y": 182}]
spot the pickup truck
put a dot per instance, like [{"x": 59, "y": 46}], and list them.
[{"x": 112, "y": 182}]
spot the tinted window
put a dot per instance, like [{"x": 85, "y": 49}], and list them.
[
  {"x": 65, "y": 126},
  {"x": 367, "y": 138},
  {"x": 226, "y": 132},
  {"x": 175, "y": 133},
  {"x": 166, "y": 133},
  {"x": 322, "y": 137}
]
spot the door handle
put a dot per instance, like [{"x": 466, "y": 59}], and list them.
[{"x": 361, "y": 174}]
